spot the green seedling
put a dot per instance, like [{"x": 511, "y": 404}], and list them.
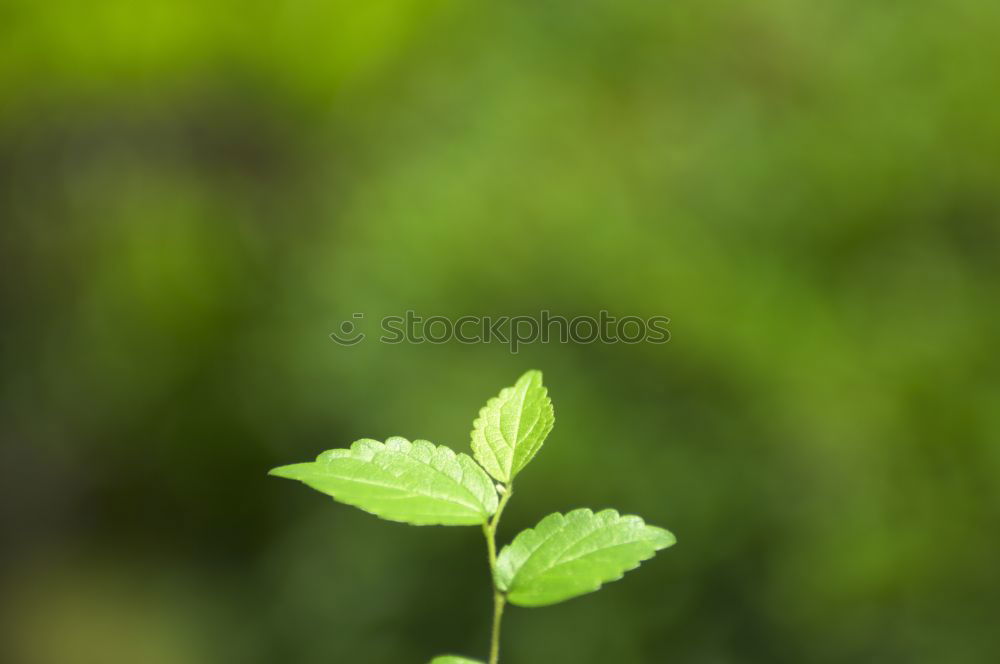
[{"x": 419, "y": 483}]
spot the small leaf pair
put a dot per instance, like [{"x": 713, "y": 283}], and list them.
[{"x": 420, "y": 483}]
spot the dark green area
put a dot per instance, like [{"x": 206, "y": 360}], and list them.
[{"x": 193, "y": 194}]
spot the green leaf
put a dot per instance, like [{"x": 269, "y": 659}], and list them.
[
  {"x": 417, "y": 483},
  {"x": 511, "y": 427},
  {"x": 566, "y": 556},
  {"x": 454, "y": 659}
]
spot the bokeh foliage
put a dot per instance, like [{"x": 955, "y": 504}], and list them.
[{"x": 193, "y": 194}]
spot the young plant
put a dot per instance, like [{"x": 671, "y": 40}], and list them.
[{"x": 564, "y": 556}]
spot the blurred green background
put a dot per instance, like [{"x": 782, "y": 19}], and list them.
[{"x": 195, "y": 193}]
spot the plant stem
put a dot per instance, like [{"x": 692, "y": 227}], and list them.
[
  {"x": 498, "y": 602},
  {"x": 499, "y": 599}
]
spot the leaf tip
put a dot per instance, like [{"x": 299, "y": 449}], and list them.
[
  {"x": 531, "y": 376},
  {"x": 661, "y": 537},
  {"x": 286, "y": 472}
]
